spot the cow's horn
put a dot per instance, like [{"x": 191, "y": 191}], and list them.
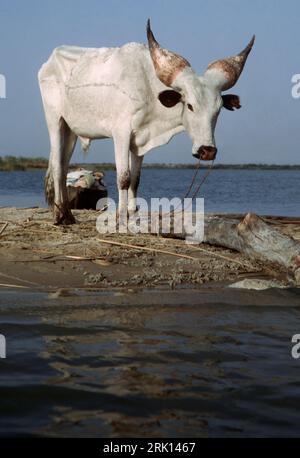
[
  {"x": 166, "y": 63},
  {"x": 226, "y": 72}
]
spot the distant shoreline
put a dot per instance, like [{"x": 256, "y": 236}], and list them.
[{"x": 12, "y": 163}]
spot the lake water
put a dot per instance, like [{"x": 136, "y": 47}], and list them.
[
  {"x": 272, "y": 192},
  {"x": 88, "y": 366}
]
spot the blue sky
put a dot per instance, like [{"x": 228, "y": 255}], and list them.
[{"x": 266, "y": 129}]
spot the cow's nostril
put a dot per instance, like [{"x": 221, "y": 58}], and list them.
[{"x": 207, "y": 153}]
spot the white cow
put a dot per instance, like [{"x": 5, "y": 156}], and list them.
[{"x": 140, "y": 96}]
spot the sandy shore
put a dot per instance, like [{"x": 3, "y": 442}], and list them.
[{"x": 36, "y": 255}]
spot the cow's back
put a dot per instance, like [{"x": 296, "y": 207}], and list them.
[
  {"x": 124, "y": 66},
  {"x": 63, "y": 60}
]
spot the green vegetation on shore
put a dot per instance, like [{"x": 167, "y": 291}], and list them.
[{"x": 12, "y": 163}]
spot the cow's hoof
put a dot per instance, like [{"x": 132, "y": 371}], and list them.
[{"x": 64, "y": 218}]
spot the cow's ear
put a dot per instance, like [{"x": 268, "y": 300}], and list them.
[
  {"x": 231, "y": 102},
  {"x": 169, "y": 98}
]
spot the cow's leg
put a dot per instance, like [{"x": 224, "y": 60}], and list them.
[
  {"x": 135, "y": 172},
  {"x": 62, "y": 146},
  {"x": 123, "y": 173}
]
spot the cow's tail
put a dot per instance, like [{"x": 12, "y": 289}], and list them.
[{"x": 49, "y": 187}]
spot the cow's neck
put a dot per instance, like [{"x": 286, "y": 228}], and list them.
[{"x": 164, "y": 125}]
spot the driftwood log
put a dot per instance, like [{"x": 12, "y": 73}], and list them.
[{"x": 256, "y": 239}]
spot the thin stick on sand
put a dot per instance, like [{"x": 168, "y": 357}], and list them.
[
  {"x": 221, "y": 256},
  {"x": 7, "y": 285},
  {"x": 137, "y": 247},
  {"x": 12, "y": 277},
  {"x": 3, "y": 228},
  {"x": 142, "y": 248}
]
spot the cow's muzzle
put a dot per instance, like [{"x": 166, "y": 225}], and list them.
[{"x": 206, "y": 153}]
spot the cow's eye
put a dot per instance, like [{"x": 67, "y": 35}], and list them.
[{"x": 190, "y": 107}]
